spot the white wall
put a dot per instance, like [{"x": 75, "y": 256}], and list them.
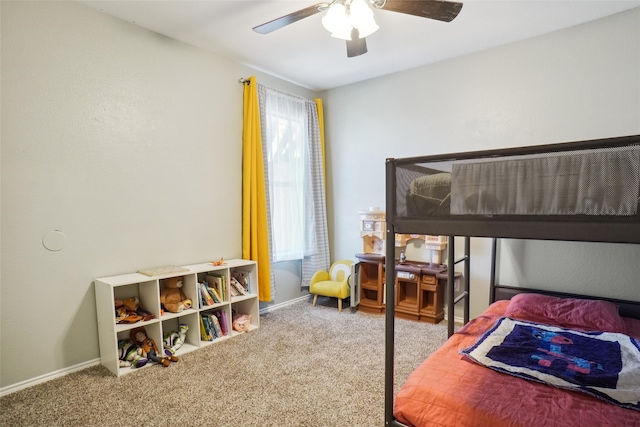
[
  {"x": 576, "y": 84},
  {"x": 126, "y": 141}
]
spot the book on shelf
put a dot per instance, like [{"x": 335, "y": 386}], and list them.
[
  {"x": 204, "y": 335},
  {"x": 238, "y": 287},
  {"x": 206, "y": 298},
  {"x": 164, "y": 270},
  {"x": 222, "y": 320},
  {"x": 215, "y": 326},
  {"x": 218, "y": 283},
  {"x": 244, "y": 278},
  {"x": 212, "y": 330},
  {"x": 210, "y": 333},
  {"x": 233, "y": 291},
  {"x": 199, "y": 297},
  {"x": 214, "y": 294}
]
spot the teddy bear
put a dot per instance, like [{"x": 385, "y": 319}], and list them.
[{"x": 172, "y": 298}]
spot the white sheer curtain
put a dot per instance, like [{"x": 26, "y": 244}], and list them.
[
  {"x": 318, "y": 259},
  {"x": 296, "y": 212}
]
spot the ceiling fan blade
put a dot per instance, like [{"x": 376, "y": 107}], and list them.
[
  {"x": 283, "y": 21},
  {"x": 356, "y": 46},
  {"x": 433, "y": 9}
]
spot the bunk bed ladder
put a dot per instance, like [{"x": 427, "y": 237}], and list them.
[
  {"x": 452, "y": 299},
  {"x": 492, "y": 279}
]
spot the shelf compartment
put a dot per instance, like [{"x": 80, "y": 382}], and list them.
[
  {"x": 146, "y": 292},
  {"x": 227, "y": 315},
  {"x": 192, "y": 337},
  {"x": 152, "y": 331},
  {"x": 189, "y": 288}
]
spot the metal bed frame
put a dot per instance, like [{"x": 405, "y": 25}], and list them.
[{"x": 578, "y": 228}]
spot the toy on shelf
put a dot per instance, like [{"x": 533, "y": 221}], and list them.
[
  {"x": 149, "y": 348},
  {"x": 219, "y": 262},
  {"x": 130, "y": 354},
  {"x": 241, "y": 322},
  {"x": 171, "y": 296},
  {"x": 129, "y": 311},
  {"x": 174, "y": 340}
]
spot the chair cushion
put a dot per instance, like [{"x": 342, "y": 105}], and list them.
[{"x": 330, "y": 288}]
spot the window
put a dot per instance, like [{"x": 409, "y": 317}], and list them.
[{"x": 287, "y": 151}]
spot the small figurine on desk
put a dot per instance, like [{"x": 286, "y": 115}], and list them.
[{"x": 403, "y": 257}]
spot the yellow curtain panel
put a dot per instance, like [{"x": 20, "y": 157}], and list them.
[
  {"x": 318, "y": 102},
  {"x": 255, "y": 244}
]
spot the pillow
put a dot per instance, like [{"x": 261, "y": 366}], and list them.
[
  {"x": 429, "y": 195},
  {"x": 590, "y": 315},
  {"x": 632, "y": 327}
]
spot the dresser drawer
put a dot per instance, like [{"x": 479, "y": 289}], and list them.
[
  {"x": 431, "y": 280},
  {"x": 429, "y": 287}
]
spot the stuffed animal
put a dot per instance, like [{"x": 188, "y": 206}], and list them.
[
  {"x": 174, "y": 340},
  {"x": 130, "y": 355},
  {"x": 241, "y": 322},
  {"x": 172, "y": 298},
  {"x": 149, "y": 348},
  {"x": 129, "y": 311}
]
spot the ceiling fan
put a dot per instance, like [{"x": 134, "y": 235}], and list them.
[{"x": 353, "y": 21}]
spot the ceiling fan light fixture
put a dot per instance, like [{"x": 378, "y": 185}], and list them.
[
  {"x": 341, "y": 19},
  {"x": 336, "y": 18},
  {"x": 361, "y": 17}
]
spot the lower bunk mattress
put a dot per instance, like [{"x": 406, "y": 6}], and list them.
[{"x": 448, "y": 389}]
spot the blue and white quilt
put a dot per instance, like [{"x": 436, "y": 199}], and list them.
[{"x": 602, "y": 364}]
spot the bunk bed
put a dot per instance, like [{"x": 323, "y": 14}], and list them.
[{"x": 577, "y": 191}]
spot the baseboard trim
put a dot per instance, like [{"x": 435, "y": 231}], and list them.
[
  {"x": 270, "y": 308},
  {"x": 47, "y": 377},
  {"x": 456, "y": 319}
]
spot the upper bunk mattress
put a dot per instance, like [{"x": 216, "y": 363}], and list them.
[{"x": 596, "y": 182}]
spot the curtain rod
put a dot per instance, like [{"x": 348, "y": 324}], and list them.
[{"x": 244, "y": 81}]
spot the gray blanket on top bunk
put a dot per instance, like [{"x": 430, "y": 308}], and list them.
[{"x": 598, "y": 182}]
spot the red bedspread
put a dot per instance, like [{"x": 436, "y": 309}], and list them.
[{"x": 446, "y": 390}]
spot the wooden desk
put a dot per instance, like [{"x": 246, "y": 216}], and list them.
[{"x": 419, "y": 288}]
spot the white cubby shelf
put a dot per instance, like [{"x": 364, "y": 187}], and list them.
[{"x": 147, "y": 289}]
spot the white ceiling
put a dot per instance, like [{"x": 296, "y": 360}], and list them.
[{"x": 305, "y": 54}]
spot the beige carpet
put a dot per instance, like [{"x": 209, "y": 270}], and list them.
[{"x": 306, "y": 366}]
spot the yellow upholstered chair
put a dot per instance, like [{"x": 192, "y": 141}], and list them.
[{"x": 333, "y": 283}]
